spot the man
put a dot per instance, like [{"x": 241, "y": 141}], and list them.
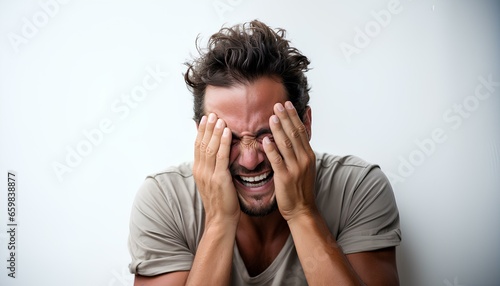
[{"x": 258, "y": 206}]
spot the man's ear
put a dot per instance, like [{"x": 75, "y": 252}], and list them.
[{"x": 307, "y": 120}]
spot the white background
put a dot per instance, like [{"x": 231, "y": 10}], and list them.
[{"x": 63, "y": 66}]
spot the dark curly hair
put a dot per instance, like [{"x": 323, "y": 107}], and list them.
[{"x": 242, "y": 54}]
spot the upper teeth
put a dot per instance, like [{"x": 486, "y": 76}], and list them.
[{"x": 256, "y": 178}]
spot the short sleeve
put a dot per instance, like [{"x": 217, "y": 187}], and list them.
[
  {"x": 372, "y": 215},
  {"x": 156, "y": 243}
]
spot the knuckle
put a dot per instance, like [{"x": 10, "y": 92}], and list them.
[
  {"x": 209, "y": 151},
  {"x": 295, "y": 133},
  {"x": 198, "y": 143},
  {"x": 220, "y": 156},
  {"x": 203, "y": 146},
  {"x": 309, "y": 158},
  {"x": 301, "y": 129},
  {"x": 278, "y": 160},
  {"x": 306, "y": 162},
  {"x": 287, "y": 143}
]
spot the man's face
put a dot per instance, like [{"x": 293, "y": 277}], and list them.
[{"x": 246, "y": 110}]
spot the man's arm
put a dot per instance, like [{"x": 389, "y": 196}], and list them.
[
  {"x": 323, "y": 261},
  {"x": 213, "y": 260},
  {"x": 211, "y": 265},
  {"x": 376, "y": 267},
  {"x": 173, "y": 278}
]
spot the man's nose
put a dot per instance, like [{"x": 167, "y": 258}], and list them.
[{"x": 250, "y": 154}]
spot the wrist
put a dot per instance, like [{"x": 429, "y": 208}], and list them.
[
  {"x": 306, "y": 216},
  {"x": 223, "y": 223}
]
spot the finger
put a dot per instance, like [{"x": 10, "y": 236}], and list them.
[
  {"x": 214, "y": 143},
  {"x": 293, "y": 130},
  {"x": 298, "y": 123},
  {"x": 207, "y": 135},
  {"x": 274, "y": 157},
  {"x": 281, "y": 139},
  {"x": 222, "y": 162},
  {"x": 199, "y": 138}
]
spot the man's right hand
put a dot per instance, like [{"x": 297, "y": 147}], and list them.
[{"x": 211, "y": 171}]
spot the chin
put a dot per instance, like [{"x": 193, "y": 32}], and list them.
[{"x": 260, "y": 210}]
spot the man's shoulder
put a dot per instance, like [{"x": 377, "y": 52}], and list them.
[
  {"x": 325, "y": 160},
  {"x": 174, "y": 188},
  {"x": 344, "y": 172},
  {"x": 183, "y": 170},
  {"x": 174, "y": 179}
]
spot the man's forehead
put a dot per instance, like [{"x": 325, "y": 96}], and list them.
[
  {"x": 245, "y": 121},
  {"x": 239, "y": 107},
  {"x": 255, "y": 96},
  {"x": 245, "y": 107}
]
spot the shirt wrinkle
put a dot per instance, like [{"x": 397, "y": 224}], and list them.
[{"x": 167, "y": 220}]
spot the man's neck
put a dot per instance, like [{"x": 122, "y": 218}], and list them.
[
  {"x": 266, "y": 228},
  {"x": 260, "y": 240}
]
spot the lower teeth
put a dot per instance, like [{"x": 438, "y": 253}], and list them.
[{"x": 254, "y": 185}]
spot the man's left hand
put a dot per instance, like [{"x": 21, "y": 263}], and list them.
[{"x": 293, "y": 162}]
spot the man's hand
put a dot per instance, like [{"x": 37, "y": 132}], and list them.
[
  {"x": 211, "y": 171},
  {"x": 293, "y": 162}
]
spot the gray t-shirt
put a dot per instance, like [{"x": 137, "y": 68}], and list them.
[{"x": 167, "y": 220}]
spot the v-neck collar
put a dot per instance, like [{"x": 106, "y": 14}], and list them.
[{"x": 269, "y": 272}]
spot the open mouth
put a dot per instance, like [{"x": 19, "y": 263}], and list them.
[{"x": 255, "y": 181}]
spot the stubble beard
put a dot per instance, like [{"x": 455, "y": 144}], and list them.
[{"x": 260, "y": 211}]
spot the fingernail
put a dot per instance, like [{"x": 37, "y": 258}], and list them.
[
  {"x": 289, "y": 105},
  {"x": 275, "y": 119},
  {"x": 211, "y": 118},
  {"x": 219, "y": 123},
  {"x": 280, "y": 107},
  {"x": 203, "y": 119},
  {"x": 266, "y": 140}
]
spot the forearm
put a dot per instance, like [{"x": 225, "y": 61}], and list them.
[
  {"x": 322, "y": 259},
  {"x": 213, "y": 260}
]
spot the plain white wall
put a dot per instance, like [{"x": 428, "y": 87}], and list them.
[{"x": 404, "y": 92}]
